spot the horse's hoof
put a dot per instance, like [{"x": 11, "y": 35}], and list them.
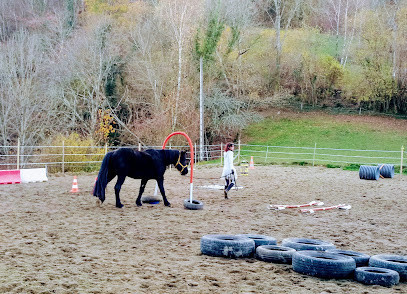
[
  {"x": 99, "y": 202},
  {"x": 168, "y": 204},
  {"x": 139, "y": 204},
  {"x": 119, "y": 205}
]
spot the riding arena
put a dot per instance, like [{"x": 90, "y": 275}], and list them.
[{"x": 56, "y": 241}]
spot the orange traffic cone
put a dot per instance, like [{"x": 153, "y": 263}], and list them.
[
  {"x": 75, "y": 188},
  {"x": 251, "y": 166}
]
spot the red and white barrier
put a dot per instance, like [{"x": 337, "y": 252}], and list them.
[
  {"x": 283, "y": 206},
  {"x": 23, "y": 176},
  {"x": 33, "y": 175},
  {"x": 10, "y": 177},
  {"x": 340, "y": 206}
]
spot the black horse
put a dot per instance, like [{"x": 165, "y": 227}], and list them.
[{"x": 126, "y": 162}]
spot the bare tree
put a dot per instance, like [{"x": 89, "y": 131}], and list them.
[
  {"x": 25, "y": 109},
  {"x": 145, "y": 70},
  {"x": 281, "y": 13},
  {"x": 82, "y": 67},
  {"x": 342, "y": 16},
  {"x": 181, "y": 15},
  {"x": 391, "y": 11},
  {"x": 238, "y": 15}
]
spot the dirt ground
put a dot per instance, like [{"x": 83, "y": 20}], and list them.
[{"x": 53, "y": 241}]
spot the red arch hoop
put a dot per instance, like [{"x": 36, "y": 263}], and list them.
[{"x": 191, "y": 147}]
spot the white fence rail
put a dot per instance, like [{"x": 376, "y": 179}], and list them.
[
  {"x": 64, "y": 158},
  {"x": 318, "y": 156}
]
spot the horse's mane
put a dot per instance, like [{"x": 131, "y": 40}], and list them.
[{"x": 171, "y": 155}]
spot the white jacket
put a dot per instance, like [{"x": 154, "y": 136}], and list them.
[{"x": 228, "y": 164}]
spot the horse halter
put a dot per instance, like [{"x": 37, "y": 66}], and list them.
[{"x": 179, "y": 163}]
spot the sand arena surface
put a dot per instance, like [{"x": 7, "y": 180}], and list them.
[{"x": 56, "y": 242}]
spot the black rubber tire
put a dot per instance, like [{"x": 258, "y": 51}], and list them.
[
  {"x": 150, "y": 199},
  {"x": 260, "y": 239},
  {"x": 361, "y": 259},
  {"x": 195, "y": 205},
  {"x": 227, "y": 246},
  {"x": 307, "y": 244},
  {"x": 323, "y": 264},
  {"x": 376, "y": 276},
  {"x": 275, "y": 253},
  {"x": 397, "y": 263}
]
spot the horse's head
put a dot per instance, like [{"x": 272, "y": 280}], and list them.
[{"x": 181, "y": 164}]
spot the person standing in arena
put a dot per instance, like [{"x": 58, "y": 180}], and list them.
[{"x": 229, "y": 171}]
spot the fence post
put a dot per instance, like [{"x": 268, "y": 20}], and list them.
[
  {"x": 401, "y": 162},
  {"x": 195, "y": 160},
  {"x": 221, "y": 153},
  {"x": 105, "y": 148},
  {"x": 313, "y": 159},
  {"x": 267, "y": 151},
  {"x": 238, "y": 153},
  {"x": 139, "y": 146},
  {"x": 63, "y": 156},
  {"x": 18, "y": 153}
]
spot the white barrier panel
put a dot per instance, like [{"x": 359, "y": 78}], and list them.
[
  {"x": 219, "y": 187},
  {"x": 33, "y": 175}
]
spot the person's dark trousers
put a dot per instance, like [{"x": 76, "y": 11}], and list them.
[{"x": 229, "y": 185}]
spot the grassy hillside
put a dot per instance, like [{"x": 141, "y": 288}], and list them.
[{"x": 327, "y": 131}]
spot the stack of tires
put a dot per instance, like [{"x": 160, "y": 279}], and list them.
[{"x": 311, "y": 257}]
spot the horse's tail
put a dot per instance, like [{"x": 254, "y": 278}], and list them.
[{"x": 101, "y": 182}]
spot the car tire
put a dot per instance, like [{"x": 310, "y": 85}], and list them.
[
  {"x": 361, "y": 259},
  {"x": 323, "y": 264},
  {"x": 195, "y": 205},
  {"x": 260, "y": 239},
  {"x": 275, "y": 253},
  {"x": 393, "y": 262},
  {"x": 307, "y": 244},
  {"x": 376, "y": 276},
  {"x": 227, "y": 246}
]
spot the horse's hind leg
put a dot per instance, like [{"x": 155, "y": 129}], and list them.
[
  {"x": 117, "y": 187},
  {"x": 142, "y": 187},
  {"x": 160, "y": 183}
]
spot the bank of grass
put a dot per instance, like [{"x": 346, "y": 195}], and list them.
[{"x": 340, "y": 132}]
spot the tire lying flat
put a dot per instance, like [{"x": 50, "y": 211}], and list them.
[
  {"x": 361, "y": 259},
  {"x": 323, "y": 264},
  {"x": 260, "y": 239},
  {"x": 150, "y": 199},
  {"x": 307, "y": 244},
  {"x": 195, "y": 205},
  {"x": 275, "y": 253},
  {"x": 376, "y": 276},
  {"x": 227, "y": 246},
  {"x": 390, "y": 261}
]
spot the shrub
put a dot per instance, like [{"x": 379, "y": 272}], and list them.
[
  {"x": 352, "y": 166},
  {"x": 75, "y": 153},
  {"x": 332, "y": 166}
]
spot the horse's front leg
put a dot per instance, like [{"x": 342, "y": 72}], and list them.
[
  {"x": 142, "y": 187},
  {"x": 117, "y": 187},
  {"x": 160, "y": 183}
]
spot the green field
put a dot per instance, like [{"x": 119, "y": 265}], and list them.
[{"x": 361, "y": 140}]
